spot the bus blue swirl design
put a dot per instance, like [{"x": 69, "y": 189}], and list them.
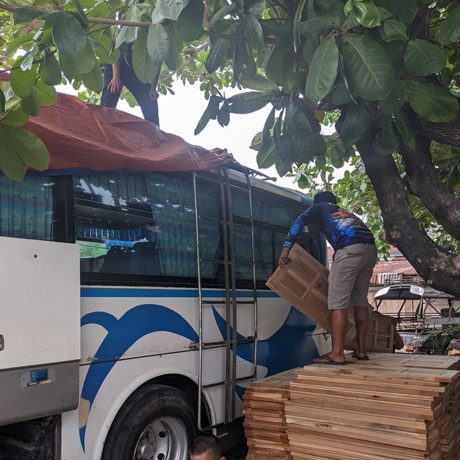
[
  {"x": 121, "y": 335},
  {"x": 290, "y": 346}
]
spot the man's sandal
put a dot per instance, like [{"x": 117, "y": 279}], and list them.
[
  {"x": 326, "y": 359},
  {"x": 360, "y": 358}
]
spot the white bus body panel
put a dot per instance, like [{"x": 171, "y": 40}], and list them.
[
  {"x": 163, "y": 326},
  {"x": 39, "y": 328}
]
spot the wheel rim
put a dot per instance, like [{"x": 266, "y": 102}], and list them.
[{"x": 163, "y": 439}]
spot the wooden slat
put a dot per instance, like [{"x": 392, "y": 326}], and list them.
[{"x": 389, "y": 408}]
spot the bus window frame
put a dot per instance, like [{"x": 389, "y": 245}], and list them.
[{"x": 66, "y": 192}]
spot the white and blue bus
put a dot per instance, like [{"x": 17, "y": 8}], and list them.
[{"x": 154, "y": 285}]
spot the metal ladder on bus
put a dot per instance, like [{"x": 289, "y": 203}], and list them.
[{"x": 231, "y": 302}]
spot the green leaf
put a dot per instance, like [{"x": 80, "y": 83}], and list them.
[
  {"x": 22, "y": 81},
  {"x": 405, "y": 10},
  {"x": 158, "y": 43},
  {"x": 143, "y": 66},
  {"x": 256, "y": 142},
  {"x": 69, "y": 36},
  {"x": 278, "y": 65},
  {"x": 367, "y": 67},
  {"x": 103, "y": 47},
  {"x": 126, "y": 34},
  {"x": 323, "y": 71},
  {"x": 210, "y": 113},
  {"x": 30, "y": 104},
  {"x": 405, "y": 130},
  {"x": 364, "y": 11},
  {"x": 266, "y": 140},
  {"x": 173, "y": 58},
  {"x": 83, "y": 64},
  {"x": 224, "y": 11},
  {"x": 19, "y": 148},
  {"x": 217, "y": 55},
  {"x": 15, "y": 117},
  {"x": 223, "y": 117},
  {"x": 213, "y": 106},
  {"x": 356, "y": 123},
  {"x": 50, "y": 73},
  {"x": 93, "y": 79},
  {"x": 45, "y": 94},
  {"x": 253, "y": 31},
  {"x": 249, "y": 102},
  {"x": 255, "y": 7},
  {"x": 13, "y": 45},
  {"x": 28, "y": 58},
  {"x": 189, "y": 25},
  {"x": 422, "y": 58},
  {"x": 393, "y": 30},
  {"x": 320, "y": 25},
  {"x": 430, "y": 101},
  {"x": 258, "y": 83},
  {"x": 385, "y": 142},
  {"x": 267, "y": 158},
  {"x": 26, "y": 14},
  {"x": 295, "y": 23},
  {"x": 394, "y": 101},
  {"x": 340, "y": 95},
  {"x": 170, "y": 9},
  {"x": 449, "y": 30}
]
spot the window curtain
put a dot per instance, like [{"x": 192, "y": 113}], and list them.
[
  {"x": 26, "y": 208},
  {"x": 172, "y": 202}
]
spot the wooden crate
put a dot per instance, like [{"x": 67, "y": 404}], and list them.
[{"x": 303, "y": 282}]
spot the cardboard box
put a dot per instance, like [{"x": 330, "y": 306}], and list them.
[{"x": 303, "y": 283}]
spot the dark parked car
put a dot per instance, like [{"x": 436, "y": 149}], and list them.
[{"x": 436, "y": 342}]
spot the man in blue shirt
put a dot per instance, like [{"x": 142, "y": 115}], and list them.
[{"x": 354, "y": 259}]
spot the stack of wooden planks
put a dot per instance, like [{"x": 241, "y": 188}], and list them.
[
  {"x": 393, "y": 407},
  {"x": 265, "y": 421}
]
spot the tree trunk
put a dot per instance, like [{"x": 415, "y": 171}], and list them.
[
  {"x": 444, "y": 133},
  {"x": 439, "y": 268},
  {"x": 424, "y": 182}
]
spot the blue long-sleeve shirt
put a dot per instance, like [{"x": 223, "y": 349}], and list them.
[{"x": 341, "y": 228}]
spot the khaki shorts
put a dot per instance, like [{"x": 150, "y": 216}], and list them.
[{"x": 349, "y": 277}]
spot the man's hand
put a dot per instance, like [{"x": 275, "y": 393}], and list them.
[
  {"x": 283, "y": 260},
  {"x": 115, "y": 85},
  {"x": 153, "y": 93}
]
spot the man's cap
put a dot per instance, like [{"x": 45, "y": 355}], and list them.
[{"x": 325, "y": 197}]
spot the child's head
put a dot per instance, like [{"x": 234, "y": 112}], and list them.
[{"x": 205, "y": 447}]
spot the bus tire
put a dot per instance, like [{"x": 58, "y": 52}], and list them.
[{"x": 156, "y": 422}]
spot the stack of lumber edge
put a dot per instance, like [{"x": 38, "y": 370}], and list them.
[
  {"x": 392, "y": 407},
  {"x": 265, "y": 421}
]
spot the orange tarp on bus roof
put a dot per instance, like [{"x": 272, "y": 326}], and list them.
[{"x": 87, "y": 136}]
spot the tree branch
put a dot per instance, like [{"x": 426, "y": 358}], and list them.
[
  {"x": 444, "y": 133},
  {"x": 424, "y": 182},
  {"x": 439, "y": 268},
  {"x": 122, "y": 22}
]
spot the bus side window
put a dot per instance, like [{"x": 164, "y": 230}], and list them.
[
  {"x": 172, "y": 202},
  {"x": 114, "y": 225},
  {"x": 27, "y": 208}
]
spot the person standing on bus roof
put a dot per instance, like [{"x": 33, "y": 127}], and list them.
[
  {"x": 122, "y": 74},
  {"x": 353, "y": 262},
  {"x": 206, "y": 447}
]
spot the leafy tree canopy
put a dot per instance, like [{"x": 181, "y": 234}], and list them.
[{"x": 386, "y": 71}]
